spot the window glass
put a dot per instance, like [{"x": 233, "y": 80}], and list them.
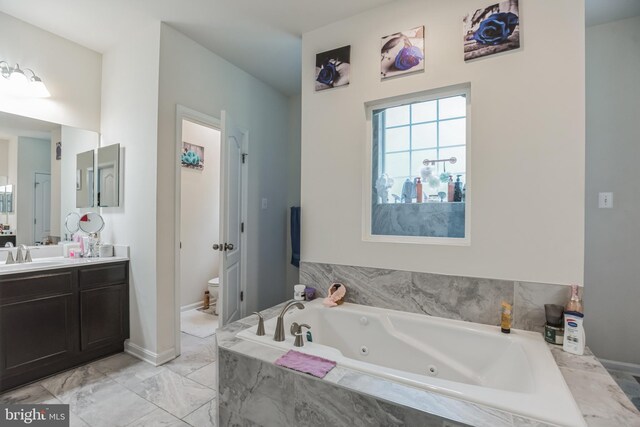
[{"x": 404, "y": 136}]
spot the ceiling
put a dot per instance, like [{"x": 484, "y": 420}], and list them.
[
  {"x": 602, "y": 11},
  {"x": 263, "y": 37}
]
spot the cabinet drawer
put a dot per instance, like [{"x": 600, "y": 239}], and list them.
[
  {"x": 103, "y": 275},
  {"x": 25, "y": 287}
]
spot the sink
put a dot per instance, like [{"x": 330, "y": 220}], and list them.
[{"x": 35, "y": 265}]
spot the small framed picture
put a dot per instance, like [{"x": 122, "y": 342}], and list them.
[
  {"x": 490, "y": 30},
  {"x": 402, "y": 53},
  {"x": 192, "y": 156},
  {"x": 333, "y": 68}
]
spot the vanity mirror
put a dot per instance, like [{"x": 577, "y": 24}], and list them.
[
  {"x": 38, "y": 176},
  {"x": 109, "y": 176},
  {"x": 84, "y": 179}
]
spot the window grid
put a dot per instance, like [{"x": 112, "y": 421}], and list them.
[{"x": 412, "y": 124}]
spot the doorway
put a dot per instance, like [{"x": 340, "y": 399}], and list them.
[
  {"x": 210, "y": 253},
  {"x": 42, "y": 206}
]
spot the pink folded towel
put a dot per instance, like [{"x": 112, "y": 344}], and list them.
[{"x": 314, "y": 365}]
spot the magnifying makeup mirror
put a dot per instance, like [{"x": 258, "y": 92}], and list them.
[
  {"x": 91, "y": 223},
  {"x": 72, "y": 222}
]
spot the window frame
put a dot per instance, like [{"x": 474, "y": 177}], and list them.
[{"x": 368, "y": 184}]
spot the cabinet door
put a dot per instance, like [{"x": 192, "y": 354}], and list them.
[
  {"x": 37, "y": 333},
  {"x": 104, "y": 316}
]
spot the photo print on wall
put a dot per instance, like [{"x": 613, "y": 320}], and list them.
[
  {"x": 192, "y": 156},
  {"x": 333, "y": 68},
  {"x": 402, "y": 53},
  {"x": 491, "y": 30}
]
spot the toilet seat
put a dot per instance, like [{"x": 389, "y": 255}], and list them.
[{"x": 214, "y": 282}]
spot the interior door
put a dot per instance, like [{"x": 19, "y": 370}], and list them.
[
  {"x": 230, "y": 219},
  {"x": 42, "y": 207}
]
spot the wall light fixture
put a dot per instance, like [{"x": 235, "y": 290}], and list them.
[{"x": 15, "y": 82}]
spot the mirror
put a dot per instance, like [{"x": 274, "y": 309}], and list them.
[
  {"x": 38, "y": 177},
  {"x": 84, "y": 179},
  {"x": 91, "y": 223},
  {"x": 72, "y": 223},
  {"x": 108, "y": 176}
]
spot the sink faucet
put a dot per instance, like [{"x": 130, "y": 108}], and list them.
[
  {"x": 27, "y": 256},
  {"x": 279, "y": 335}
]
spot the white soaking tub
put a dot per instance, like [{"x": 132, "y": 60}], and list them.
[{"x": 512, "y": 372}]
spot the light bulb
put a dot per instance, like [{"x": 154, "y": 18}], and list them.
[{"x": 38, "y": 89}]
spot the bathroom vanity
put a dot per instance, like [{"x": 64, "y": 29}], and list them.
[{"x": 60, "y": 313}]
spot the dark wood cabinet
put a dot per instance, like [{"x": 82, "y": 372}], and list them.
[{"x": 55, "y": 320}]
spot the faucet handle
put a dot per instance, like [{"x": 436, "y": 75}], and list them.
[
  {"x": 27, "y": 257},
  {"x": 19, "y": 257},
  {"x": 10, "y": 259},
  {"x": 260, "y": 331},
  {"x": 296, "y": 330}
]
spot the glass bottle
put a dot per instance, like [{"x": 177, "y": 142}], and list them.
[
  {"x": 457, "y": 192},
  {"x": 575, "y": 303}
]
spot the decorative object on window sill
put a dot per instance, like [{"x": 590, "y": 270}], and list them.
[
  {"x": 383, "y": 184},
  {"x": 16, "y": 83},
  {"x": 491, "y": 30},
  {"x": 333, "y": 68},
  {"x": 450, "y": 189},
  {"x": 408, "y": 190},
  {"x": 457, "y": 192},
  {"x": 402, "y": 53}
]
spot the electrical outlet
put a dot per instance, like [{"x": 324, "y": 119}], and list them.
[{"x": 605, "y": 200}]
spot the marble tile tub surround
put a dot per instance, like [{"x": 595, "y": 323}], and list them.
[
  {"x": 452, "y": 297},
  {"x": 251, "y": 386}
]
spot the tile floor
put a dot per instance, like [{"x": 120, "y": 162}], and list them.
[
  {"x": 123, "y": 391},
  {"x": 629, "y": 383}
]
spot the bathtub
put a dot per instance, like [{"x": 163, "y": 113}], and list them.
[{"x": 468, "y": 361}]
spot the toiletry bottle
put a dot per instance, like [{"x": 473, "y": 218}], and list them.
[
  {"x": 574, "y": 338},
  {"x": 418, "y": 191},
  {"x": 574, "y": 304},
  {"x": 505, "y": 318},
  {"x": 457, "y": 191},
  {"x": 450, "y": 189},
  {"x": 205, "y": 305}
]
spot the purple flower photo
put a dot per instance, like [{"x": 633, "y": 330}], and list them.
[
  {"x": 332, "y": 68},
  {"x": 493, "y": 29},
  {"x": 402, "y": 53}
]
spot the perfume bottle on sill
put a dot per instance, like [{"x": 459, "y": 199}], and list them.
[
  {"x": 457, "y": 192},
  {"x": 450, "y": 189}
]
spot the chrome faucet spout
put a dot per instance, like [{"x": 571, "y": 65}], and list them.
[{"x": 279, "y": 334}]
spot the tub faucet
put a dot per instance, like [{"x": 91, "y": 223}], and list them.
[{"x": 279, "y": 335}]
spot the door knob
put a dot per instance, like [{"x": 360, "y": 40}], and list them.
[
  {"x": 228, "y": 246},
  {"x": 217, "y": 247}
]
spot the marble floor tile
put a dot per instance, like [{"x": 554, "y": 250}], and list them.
[
  {"x": 33, "y": 393},
  {"x": 204, "y": 416},
  {"x": 207, "y": 375},
  {"x": 194, "y": 355},
  {"x": 629, "y": 384},
  {"x": 76, "y": 421},
  {"x": 158, "y": 418},
  {"x": 126, "y": 369},
  {"x": 66, "y": 385},
  {"x": 174, "y": 393}
]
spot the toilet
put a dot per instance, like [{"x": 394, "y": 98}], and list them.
[{"x": 214, "y": 293}]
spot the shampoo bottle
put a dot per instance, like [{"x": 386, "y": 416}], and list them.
[
  {"x": 505, "y": 318},
  {"x": 418, "y": 190},
  {"x": 574, "y": 338},
  {"x": 450, "y": 189}
]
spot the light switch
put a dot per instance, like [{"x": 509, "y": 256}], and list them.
[
  {"x": 264, "y": 203},
  {"x": 605, "y": 200}
]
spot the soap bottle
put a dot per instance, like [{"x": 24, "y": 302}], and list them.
[
  {"x": 450, "y": 189},
  {"x": 418, "y": 190},
  {"x": 505, "y": 318},
  {"x": 205, "y": 305},
  {"x": 457, "y": 192},
  {"x": 575, "y": 303}
]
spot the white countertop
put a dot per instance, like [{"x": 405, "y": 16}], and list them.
[{"x": 53, "y": 263}]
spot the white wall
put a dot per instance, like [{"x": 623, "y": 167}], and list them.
[
  {"x": 527, "y": 142},
  {"x": 129, "y": 116},
  {"x": 293, "y": 180},
  {"x": 71, "y": 72},
  {"x": 74, "y": 141},
  {"x": 34, "y": 155},
  {"x": 613, "y": 149},
  {"x": 4, "y": 157},
  {"x": 200, "y": 215},
  {"x": 195, "y": 77}
]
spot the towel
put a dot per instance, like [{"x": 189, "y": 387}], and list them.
[
  {"x": 314, "y": 365},
  {"x": 295, "y": 236}
]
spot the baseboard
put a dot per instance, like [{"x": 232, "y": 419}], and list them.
[
  {"x": 156, "y": 359},
  {"x": 621, "y": 366},
  {"x": 193, "y": 306}
]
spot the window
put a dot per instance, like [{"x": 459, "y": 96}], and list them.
[{"x": 422, "y": 143}]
